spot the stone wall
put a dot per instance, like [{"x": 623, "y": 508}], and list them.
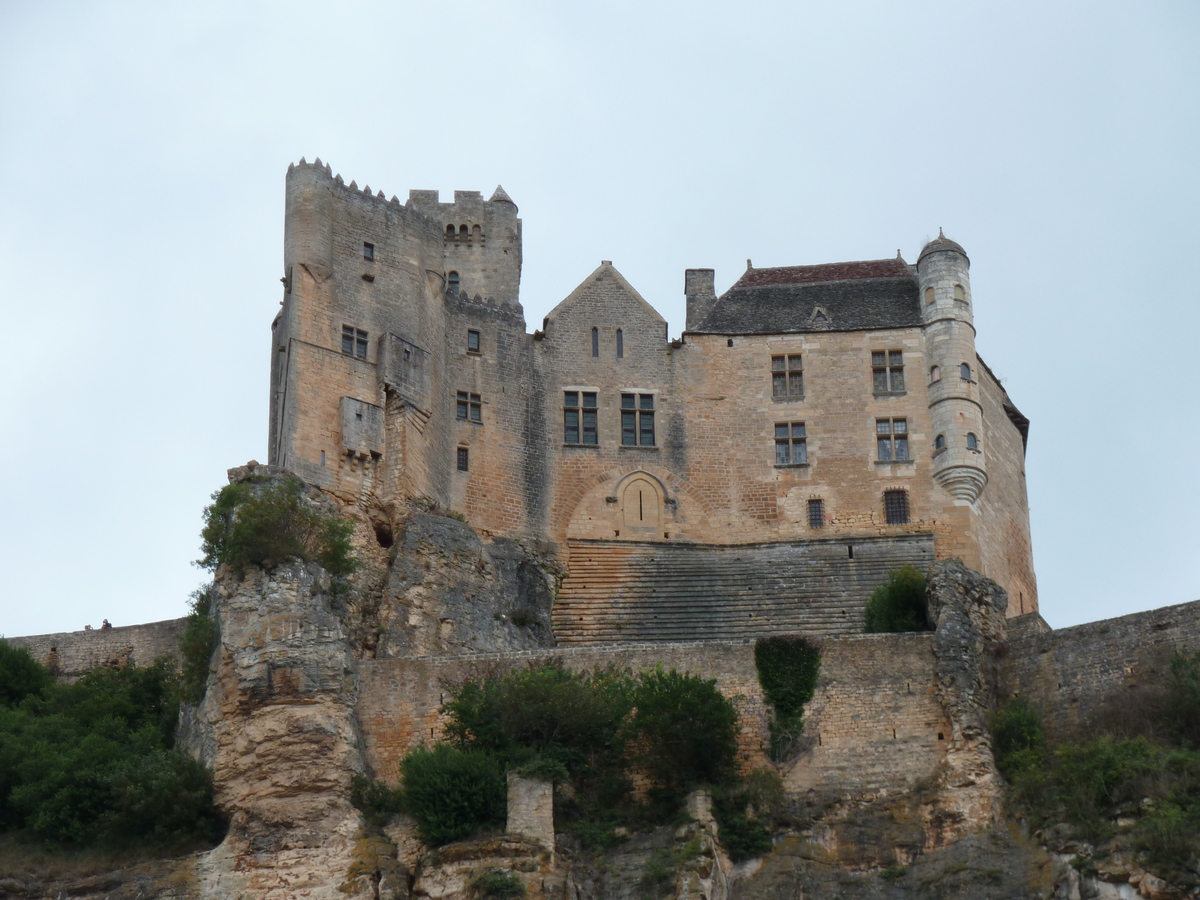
[
  {"x": 1070, "y": 674},
  {"x": 70, "y": 654}
]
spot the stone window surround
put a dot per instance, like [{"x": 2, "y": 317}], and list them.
[
  {"x": 469, "y": 407},
  {"x": 639, "y": 412},
  {"x": 787, "y": 371},
  {"x": 580, "y": 412},
  {"x": 888, "y": 363},
  {"x": 794, "y": 436}
]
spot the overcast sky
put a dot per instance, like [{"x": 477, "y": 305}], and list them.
[{"x": 143, "y": 148}]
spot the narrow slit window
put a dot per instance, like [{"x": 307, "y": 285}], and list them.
[
  {"x": 935, "y": 374},
  {"x": 595, "y": 341},
  {"x": 620, "y": 344}
]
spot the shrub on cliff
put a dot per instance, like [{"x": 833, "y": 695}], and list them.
[
  {"x": 1018, "y": 741},
  {"x": 452, "y": 793},
  {"x": 269, "y": 524},
  {"x": 91, "y": 763},
  {"x": 899, "y": 604},
  {"x": 196, "y": 646},
  {"x": 20, "y": 674}
]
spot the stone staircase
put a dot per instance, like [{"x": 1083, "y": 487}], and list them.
[{"x": 630, "y": 592}]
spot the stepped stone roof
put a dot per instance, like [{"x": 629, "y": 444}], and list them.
[{"x": 847, "y": 296}]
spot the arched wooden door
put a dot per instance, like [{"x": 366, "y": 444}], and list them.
[{"x": 641, "y": 507}]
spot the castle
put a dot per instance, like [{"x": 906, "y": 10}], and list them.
[{"x": 813, "y": 428}]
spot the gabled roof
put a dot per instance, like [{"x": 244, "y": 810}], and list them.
[
  {"x": 601, "y": 287},
  {"x": 846, "y": 296}
]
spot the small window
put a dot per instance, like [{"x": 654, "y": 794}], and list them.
[
  {"x": 354, "y": 341},
  {"x": 449, "y": 232},
  {"x": 637, "y": 420},
  {"x": 816, "y": 513},
  {"x": 935, "y": 374},
  {"x": 891, "y": 437},
  {"x": 470, "y": 407},
  {"x": 965, "y": 371},
  {"x": 463, "y": 232},
  {"x": 928, "y": 296},
  {"x": 472, "y": 341},
  {"x": 579, "y": 418},
  {"x": 895, "y": 507},
  {"x": 463, "y": 459},
  {"x": 452, "y": 284},
  {"x": 595, "y": 341},
  {"x": 791, "y": 444},
  {"x": 972, "y": 441},
  {"x": 887, "y": 369},
  {"x": 960, "y": 296},
  {"x": 368, "y": 252},
  {"x": 787, "y": 376},
  {"x": 620, "y": 344},
  {"x": 939, "y": 442}
]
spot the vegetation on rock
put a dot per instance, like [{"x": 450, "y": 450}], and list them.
[
  {"x": 196, "y": 646},
  {"x": 899, "y": 604},
  {"x": 452, "y": 793},
  {"x": 270, "y": 522},
  {"x": 91, "y": 763}
]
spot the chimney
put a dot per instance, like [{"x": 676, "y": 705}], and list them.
[{"x": 699, "y": 286}]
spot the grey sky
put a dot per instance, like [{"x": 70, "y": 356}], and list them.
[{"x": 143, "y": 148}]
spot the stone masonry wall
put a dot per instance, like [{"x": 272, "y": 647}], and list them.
[
  {"x": 875, "y": 723},
  {"x": 70, "y": 654},
  {"x": 1070, "y": 673}
]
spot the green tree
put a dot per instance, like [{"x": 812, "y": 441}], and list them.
[
  {"x": 452, "y": 793},
  {"x": 20, "y": 674},
  {"x": 899, "y": 604}
]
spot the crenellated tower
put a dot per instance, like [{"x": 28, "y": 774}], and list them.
[{"x": 955, "y": 405}]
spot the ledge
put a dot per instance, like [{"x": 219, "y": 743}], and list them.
[
  {"x": 895, "y": 462},
  {"x": 803, "y": 465}
]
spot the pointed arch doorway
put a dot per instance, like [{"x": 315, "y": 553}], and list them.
[{"x": 641, "y": 507}]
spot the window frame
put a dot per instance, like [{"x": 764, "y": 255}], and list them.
[
  {"x": 792, "y": 440},
  {"x": 453, "y": 283},
  {"x": 469, "y": 407},
  {"x": 368, "y": 251},
  {"x": 463, "y": 459},
  {"x": 816, "y": 505},
  {"x": 577, "y": 407},
  {"x": 895, "y": 507},
  {"x": 638, "y": 410},
  {"x": 890, "y": 364},
  {"x": 474, "y": 333},
  {"x": 891, "y": 438},
  {"x": 786, "y": 376},
  {"x": 355, "y": 342},
  {"x": 972, "y": 441}
]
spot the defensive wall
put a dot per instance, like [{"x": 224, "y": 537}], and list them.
[
  {"x": 1070, "y": 674},
  {"x": 875, "y": 722},
  {"x": 70, "y": 654}
]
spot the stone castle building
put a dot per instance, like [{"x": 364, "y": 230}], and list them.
[{"x": 813, "y": 427}]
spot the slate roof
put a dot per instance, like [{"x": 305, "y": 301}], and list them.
[{"x": 849, "y": 296}]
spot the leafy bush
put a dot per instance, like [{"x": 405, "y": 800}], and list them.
[
  {"x": 375, "y": 800},
  {"x": 196, "y": 647},
  {"x": 743, "y": 837},
  {"x": 899, "y": 604},
  {"x": 499, "y": 884},
  {"x": 1018, "y": 740},
  {"x": 20, "y": 674},
  {"x": 787, "y": 671},
  {"x": 91, "y": 763},
  {"x": 453, "y": 793},
  {"x": 268, "y": 523},
  {"x": 1182, "y": 707},
  {"x": 685, "y": 730}
]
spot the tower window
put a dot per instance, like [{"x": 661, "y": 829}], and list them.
[
  {"x": 637, "y": 420},
  {"x": 620, "y": 344},
  {"x": 965, "y": 371},
  {"x": 463, "y": 459},
  {"x": 960, "y": 296},
  {"x": 791, "y": 444},
  {"x": 470, "y": 407},
  {"x": 579, "y": 418},
  {"x": 939, "y": 442},
  {"x": 816, "y": 513},
  {"x": 595, "y": 341},
  {"x": 972, "y": 441},
  {"x": 368, "y": 252},
  {"x": 472, "y": 341},
  {"x": 887, "y": 368},
  {"x": 935, "y": 374},
  {"x": 354, "y": 341},
  {"x": 452, "y": 283},
  {"x": 787, "y": 377},
  {"x": 895, "y": 507},
  {"x": 891, "y": 438},
  {"x": 928, "y": 296}
]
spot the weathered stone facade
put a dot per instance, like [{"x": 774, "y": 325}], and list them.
[{"x": 401, "y": 368}]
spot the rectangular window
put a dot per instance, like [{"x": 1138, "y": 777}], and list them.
[
  {"x": 368, "y": 251},
  {"x": 887, "y": 370},
  {"x": 791, "y": 444},
  {"x": 579, "y": 418},
  {"x": 891, "y": 437},
  {"x": 787, "y": 376},
  {"x": 354, "y": 341},
  {"x": 637, "y": 420},
  {"x": 462, "y": 459},
  {"x": 470, "y": 406},
  {"x": 895, "y": 507},
  {"x": 472, "y": 341},
  {"x": 816, "y": 513}
]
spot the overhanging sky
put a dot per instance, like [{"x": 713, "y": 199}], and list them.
[{"x": 143, "y": 148}]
